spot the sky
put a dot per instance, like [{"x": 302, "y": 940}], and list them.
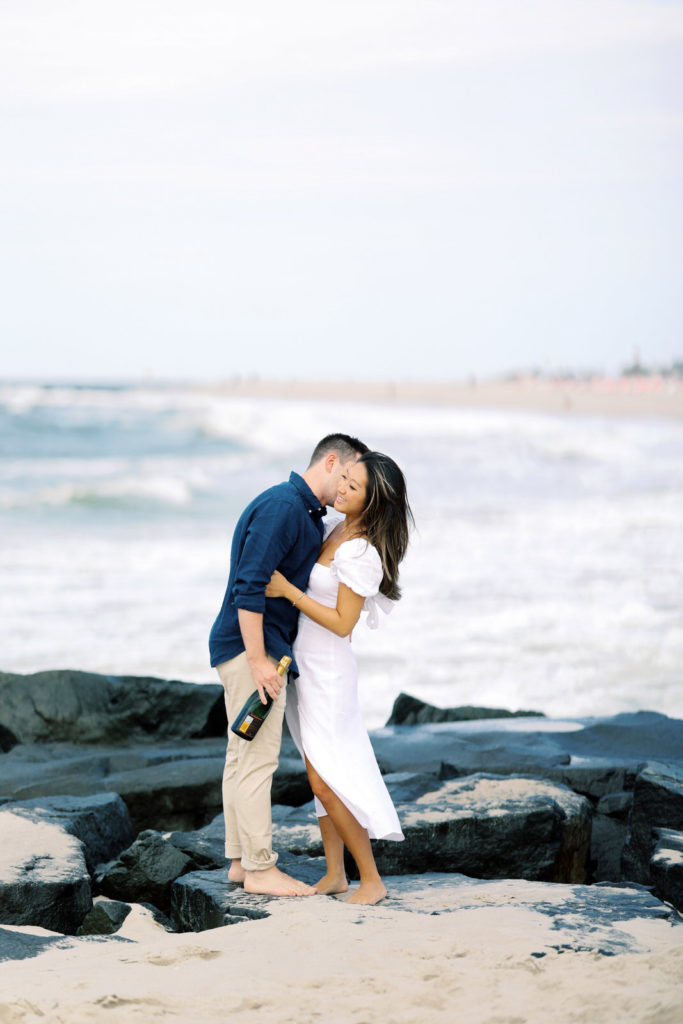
[{"x": 374, "y": 189}]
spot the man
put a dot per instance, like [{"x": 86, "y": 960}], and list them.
[{"x": 281, "y": 529}]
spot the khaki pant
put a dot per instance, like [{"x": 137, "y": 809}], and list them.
[{"x": 248, "y": 772}]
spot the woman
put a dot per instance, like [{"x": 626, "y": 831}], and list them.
[{"x": 357, "y": 570}]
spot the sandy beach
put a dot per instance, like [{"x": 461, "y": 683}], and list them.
[
  {"x": 495, "y": 962},
  {"x": 649, "y": 396}
]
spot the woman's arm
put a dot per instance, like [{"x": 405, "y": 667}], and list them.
[{"x": 340, "y": 620}]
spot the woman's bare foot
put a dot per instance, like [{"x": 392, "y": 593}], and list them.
[
  {"x": 236, "y": 872},
  {"x": 273, "y": 882},
  {"x": 368, "y": 893},
  {"x": 330, "y": 884}
]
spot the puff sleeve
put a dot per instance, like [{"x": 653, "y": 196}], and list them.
[{"x": 358, "y": 565}]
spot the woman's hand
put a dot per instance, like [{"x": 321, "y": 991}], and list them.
[{"x": 278, "y": 585}]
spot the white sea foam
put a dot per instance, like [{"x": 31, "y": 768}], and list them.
[{"x": 545, "y": 573}]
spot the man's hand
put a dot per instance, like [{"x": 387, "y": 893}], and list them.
[
  {"x": 263, "y": 671},
  {"x": 266, "y": 678}
]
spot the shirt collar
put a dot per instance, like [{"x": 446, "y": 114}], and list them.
[{"x": 313, "y": 506}]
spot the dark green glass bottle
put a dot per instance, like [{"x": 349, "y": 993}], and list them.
[{"x": 254, "y": 713}]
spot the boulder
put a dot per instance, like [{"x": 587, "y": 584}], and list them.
[
  {"x": 601, "y": 919},
  {"x": 453, "y": 750},
  {"x": 657, "y": 803},
  {"x": 485, "y": 826},
  {"x": 165, "y": 785},
  {"x": 608, "y": 836},
  {"x": 205, "y": 846},
  {"x": 631, "y": 737},
  {"x": 84, "y": 707},
  {"x": 290, "y": 782},
  {"x": 44, "y": 880},
  {"x": 208, "y": 899},
  {"x": 405, "y": 787},
  {"x": 105, "y": 918},
  {"x": 595, "y": 777},
  {"x": 101, "y": 821},
  {"x": 559, "y": 919},
  {"x": 409, "y": 710},
  {"x": 145, "y": 871},
  {"x": 173, "y": 795},
  {"x": 493, "y": 827},
  {"x": 666, "y": 866}
]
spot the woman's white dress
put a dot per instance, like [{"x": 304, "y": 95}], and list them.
[{"x": 323, "y": 711}]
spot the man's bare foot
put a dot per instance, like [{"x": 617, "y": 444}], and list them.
[
  {"x": 236, "y": 872},
  {"x": 368, "y": 893},
  {"x": 330, "y": 884},
  {"x": 273, "y": 882}
]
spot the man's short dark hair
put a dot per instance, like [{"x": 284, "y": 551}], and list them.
[{"x": 345, "y": 446}]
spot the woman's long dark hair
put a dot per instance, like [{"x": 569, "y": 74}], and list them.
[{"x": 387, "y": 516}]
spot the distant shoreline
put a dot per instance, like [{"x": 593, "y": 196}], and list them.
[
  {"x": 648, "y": 396},
  {"x": 620, "y": 396}
]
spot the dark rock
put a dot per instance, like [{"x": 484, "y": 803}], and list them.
[
  {"x": 165, "y": 785},
  {"x": 596, "y": 777},
  {"x": 33, "y": 770},
  {"x": 7, "y": 740},
  {"x": 105, "y": 918},
  {"x": 101, "y": 821},
  {"x": 595, "y": 918},
  {"x": 409, "y": 710},
  {"x": 145, "y": 871},
  {"x": 208, "y": 899},
  {"x": 405, "y": 787},
  {"x": 493, "y": 827},
  {"x": 454, "y": 751},
  {"x": 666, "y": 866},
  {"x": 43, "y": 876},
  {"x": 483, "y": 826},
  {"x": 174, "y": 795},
  {"x": 630, "y": 737},
  {"x": 616, "y": 805},
  {"x": 608, "y": 836},
  {"x": 83, "y": 707},
  {"x": 290, "y": 782},
  {"x": 657, "y": 803},
  {"x": 205, "y": 846}
]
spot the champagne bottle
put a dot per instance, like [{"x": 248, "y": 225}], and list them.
[{"x": 254, "y": 713}]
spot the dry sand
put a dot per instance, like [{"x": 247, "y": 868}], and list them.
[
  {"x": 653, "y": 396},
  {"x": 318, "y": 959}
]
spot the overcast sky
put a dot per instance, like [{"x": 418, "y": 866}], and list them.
[{"x": 367, "y": 188}]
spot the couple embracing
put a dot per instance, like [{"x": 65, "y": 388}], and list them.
[{"x": 299, "y": 580}]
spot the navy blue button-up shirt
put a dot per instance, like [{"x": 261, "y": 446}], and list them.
[{"x": 281, "y": 529}]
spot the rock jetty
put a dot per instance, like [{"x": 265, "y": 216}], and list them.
[{"x": 110, "y": 798}]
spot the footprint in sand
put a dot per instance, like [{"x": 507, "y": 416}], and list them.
[{"x": 182, "y": 954}]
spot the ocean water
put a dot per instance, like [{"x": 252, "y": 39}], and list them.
[{"x": 546, "y": 571}]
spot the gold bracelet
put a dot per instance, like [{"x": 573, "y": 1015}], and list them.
[{"x": 294, "y": 603}]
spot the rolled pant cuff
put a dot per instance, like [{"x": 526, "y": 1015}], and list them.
[{"x": 254, "y": 865}]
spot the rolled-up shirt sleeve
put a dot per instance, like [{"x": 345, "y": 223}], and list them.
[{"x": 271, "y": 532}]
